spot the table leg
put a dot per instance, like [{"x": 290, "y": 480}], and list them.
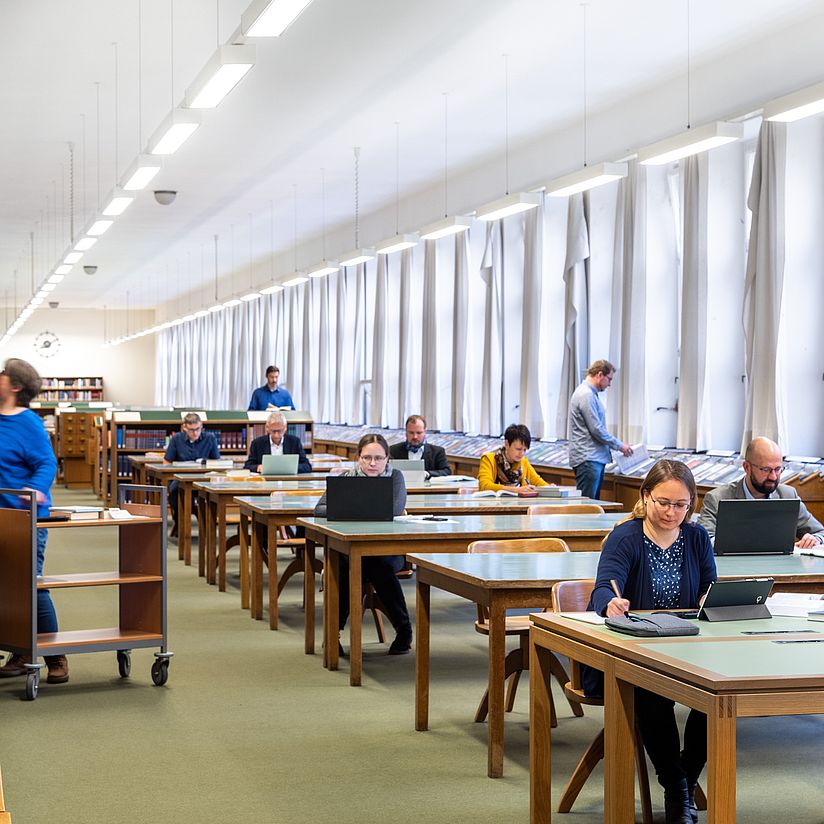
[
  {"x": 256, "y": 606},
  {"x": 331, "y": 602},
  {"x": 210, "y": 542},
  {"x": 422, "y": 618},
  {"x": 721, "y": 761},
  {"x": 497, "y": 656},
  {"x": 272, "y": 545},
  {"x": 355, "y": 619},
  {"x": 244, "y": 561},
  {"x": 309, "y": 597},
  {"x": 540, "y": 726},
  {"x": 202, "y": 535},
  {"x": 619, "y": 749},
  {"x": 184, "y": 541},
  {"x": 221, "y": 545}
]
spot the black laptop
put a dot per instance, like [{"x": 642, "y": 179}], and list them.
[
  {"x": 353, "y": 498},
  {"x": 745, "y": 527}
]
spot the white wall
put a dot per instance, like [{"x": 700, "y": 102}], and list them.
[{"x": 128, "y": 370}]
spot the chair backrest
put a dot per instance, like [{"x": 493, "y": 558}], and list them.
[
  {"x": 572, "y": 596},
  {"x": 568, "y": 509},
  {"x": 519, "y": 545}
]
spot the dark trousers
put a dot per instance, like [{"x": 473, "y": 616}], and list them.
[
  {"x": 656, "y": 720},
  {"x": 174, "y": 492},
  {"x": 46, "y": 616},
  {"x": 588, "y": 478},
  {"x": 380, "y": 571}
]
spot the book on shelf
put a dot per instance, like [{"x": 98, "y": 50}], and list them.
[
  {"x": 494, "y": 493},
  {"x": 78, "y": 513},
  {"x": 559, "y": 492}
]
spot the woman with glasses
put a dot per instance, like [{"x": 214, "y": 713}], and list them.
[
  {"x": 380, "y": 570},
  {"x": 507, "y": 468},
  {"x": 658, "y": 559}
]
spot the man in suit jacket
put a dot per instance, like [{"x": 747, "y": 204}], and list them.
[
  {"x": 276, "y": 442},
  {"x": 415, "y": 448},
  {"x": 763, "y": 464}
]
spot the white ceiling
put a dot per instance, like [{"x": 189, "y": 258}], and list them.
[{"x": 341, "y": 76}]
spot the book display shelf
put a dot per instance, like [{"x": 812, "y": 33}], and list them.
[{"x": 72, "y": 389}]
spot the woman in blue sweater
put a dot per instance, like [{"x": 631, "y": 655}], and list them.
[
  {"x": 27, "y": 462},
  {"x": 660, "y": 560}
]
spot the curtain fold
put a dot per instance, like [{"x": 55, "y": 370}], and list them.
[
  {"x": 308, "y": 375},
  {"x": 492, "y": 368},
  {"x": 694, "y": 418},
  {"x": 376, "y": 411},
  {"x": 763, "y": 288},
  {"x": 530, "y": 400},
  {"x": 429, "y": 337},
  {"x": 403, "y": 335},
  {"x": 576, "y": 356},
  {"x": 340, "y": 342},
  {"x": 356, "y": 411},
  {"x": 460, "y": 317},
  {"x": 324, "y": 408}
]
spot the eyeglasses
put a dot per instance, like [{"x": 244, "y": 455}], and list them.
[
  {"x": 770, "y": 470},
  {"x": 678, "y": 506},
  {"x": 374, "y": 459}
]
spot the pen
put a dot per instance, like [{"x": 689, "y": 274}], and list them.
[{"x": 614, "y": 584}]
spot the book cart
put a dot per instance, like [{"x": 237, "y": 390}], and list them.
[{"x": 140, "y": 579}]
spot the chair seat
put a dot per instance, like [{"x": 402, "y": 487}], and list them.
[
  {"x": 580, "y": 697},
  {"x": 515, "y": 625}
]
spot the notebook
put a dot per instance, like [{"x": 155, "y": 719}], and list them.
[
  {"x": 744, "y": 527},
  {"x": 355, "y": 498},
  {"x": 280, "y": 465}
]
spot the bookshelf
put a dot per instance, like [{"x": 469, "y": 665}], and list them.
[{"x": 72, "y": 389}]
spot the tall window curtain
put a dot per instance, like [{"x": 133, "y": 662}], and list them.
[
  {"x": 530, "y": 399},
  {"x": 324, "y": 406},
  {"x": 459, "y": 331},
  {"x": 376, "y": 412},
  {"x": 694, "y": 416},
  {"x": 356, "y": 404},
  {"x": 576, "y": 308},
  {"x": 429, "y": 337},
  {"x": 403, "y": 334},
  {"x": 492, "y": 377},
  {"x": 763, "y": 287},
  {"x": 340, "y": 341},
  {"x": 308, "y": 354},
  {"x": 626, "y": 407}
]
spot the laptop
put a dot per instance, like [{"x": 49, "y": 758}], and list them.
[
  {"x": 413, "y": 472},
  {"x": 737, "y": 600},
  {"x": 280, "y": 465},
  {"x": 354, "y": 498},
  {"x": 745, "y": 527}
]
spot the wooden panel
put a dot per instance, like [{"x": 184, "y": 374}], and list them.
[
  {"x": 140, "y": 547},
  {"x": 80, "y": 637},
  {"x": 16, "y": 574},
  {"x": 141, "y": 607},
  {"x": 92, "y": 579}
]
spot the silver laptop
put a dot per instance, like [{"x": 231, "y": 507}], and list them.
[
  {"x": 280, "y": 465},
  {"x": 413, "y": 472}
]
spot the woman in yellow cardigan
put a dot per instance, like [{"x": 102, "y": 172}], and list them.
[{"x": 508, "y": 468}]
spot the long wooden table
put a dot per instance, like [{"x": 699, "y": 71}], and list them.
[
  {"x": 508, "y": 581},
  {"x": 721, "y": 672},
  {"x": 358, "y": 539}
]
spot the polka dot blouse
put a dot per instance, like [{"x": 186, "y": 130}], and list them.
[{"x": 665, "y": 571}]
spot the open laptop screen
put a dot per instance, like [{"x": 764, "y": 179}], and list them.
[
  {"x": 279, "y": 465},
  {"x": 353, "y": 498},
  {"x": 746, "y": 527}
]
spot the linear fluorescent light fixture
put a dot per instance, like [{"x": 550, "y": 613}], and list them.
[
  {"x": 72, "y": 258},
  {"x": 448, "y": 226},
  {"x": 55, "y": 278},
  {"x": 140, "y": 174},
  {"x": 173, "y": 132},
  {"x": 99, "y": 227},
  {"x": 690, "y": 143},
  {"x": 398, "y": 243},
  {"x": 63, "y": 269},
  {"x": 269, "y": 290},
  {"x": 357, "y": 256},
  {"x": 325, "y": 267},
  {"x": 797, "y": 105},
  {"x": 35, "y": 301},
  {"x": 117, "y": 202},
  {"x": 270, "y": 18},
  {"x": 47, "y": 287},
  {"x": 222, "y": 72},
  {"x": 84, "y": 244},
  {"x": 296, "y": 280},
  {"x": 590, "y": 177},
  {"x": 510, "y": 205}
]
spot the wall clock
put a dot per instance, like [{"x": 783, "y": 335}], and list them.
[{"x": 47, "y": 344}]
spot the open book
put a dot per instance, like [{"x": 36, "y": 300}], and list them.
[{"x": 494, "y": 493}]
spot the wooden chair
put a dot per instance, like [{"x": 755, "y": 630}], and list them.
[
  {"x": 569, "y": 509},
  {"x": 573, "y": 596},
  {"x": 518, "y": 625}
]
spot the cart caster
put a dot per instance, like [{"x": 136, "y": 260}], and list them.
[
  {"x": 32, "y": 685},
  {"x": 124, "y": 662},
  {"x": 160, "y": 668}
]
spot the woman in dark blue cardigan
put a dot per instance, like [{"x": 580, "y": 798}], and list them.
[{"x": 659, "y": 560}]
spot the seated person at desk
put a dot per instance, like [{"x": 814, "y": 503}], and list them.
[
  {"x": 191, "y": 444},
  {"x": 415, "y": 448},
  {"x": 276, "y": 442},
  {"x": 270, "y": 395},
  {"x": 508, "y": 467},
  {"x": 380, "y": 570},
  {"x": 763, "y": 464},
  {"x": 27, "y": 462},
  {"x": 658, "y": 559}
]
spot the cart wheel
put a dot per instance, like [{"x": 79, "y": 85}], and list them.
[
  {"x": 32, "y": 685},
  {"x": 160, "y": 672},
  {"x": 124, "y": 663}
]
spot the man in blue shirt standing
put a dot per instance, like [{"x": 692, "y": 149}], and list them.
[
  {"x": 27, "y": 462},
  {"x": 270, "y": 394},
  {"x": 589, "y": 440},
  {"x": 192, "y": 444}
]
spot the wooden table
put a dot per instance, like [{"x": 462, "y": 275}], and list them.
[
  {"x": 720, "y": 672},
  {"x": 508, "y": 581},
  {"x": 357, "y": 539}
]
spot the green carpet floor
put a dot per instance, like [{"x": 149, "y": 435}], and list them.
[{"x": 249, "y": 730}]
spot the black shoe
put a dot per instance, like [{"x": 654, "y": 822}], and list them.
[
  {"x": 692, "y": 783},
  {"x": 402, "y": 643},
  {"x": 677, "y": 803}
]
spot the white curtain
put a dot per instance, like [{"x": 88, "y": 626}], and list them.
[
  {"x": 694, "y": 418},
  {"x": 340, "y": 342},
  {"x": 530, "y": 399},
  {"x": 460, "y": 312},
  {"x": 356, "y": 410},
  {"x": 626, "y": 403},
  {"x": 763, "y": 287},
  {"x": 403, "y": 335},
  {"x": 429, "y": 337},
  {"x": 576, "y": 308},
  {"x": 492, "y": 370},
  {"x": 376, "y": 412},
  {"x": 324, "y": 406}
]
